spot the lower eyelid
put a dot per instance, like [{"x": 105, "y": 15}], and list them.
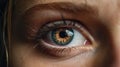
[{"x": 63, "y": 52}]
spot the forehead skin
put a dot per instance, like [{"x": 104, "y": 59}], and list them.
[{"x": 108, "y": 9}]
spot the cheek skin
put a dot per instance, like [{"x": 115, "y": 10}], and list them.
[{"x": 25, "y": 55}]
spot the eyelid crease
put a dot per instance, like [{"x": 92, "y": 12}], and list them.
[{"x": 31, "y": 17}]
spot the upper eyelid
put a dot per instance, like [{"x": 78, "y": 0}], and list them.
[{"x": 53, "y": 8}]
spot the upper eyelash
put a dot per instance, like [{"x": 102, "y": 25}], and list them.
[{"x": 50, "y": 26}]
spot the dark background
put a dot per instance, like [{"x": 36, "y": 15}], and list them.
[{"x": 3, "y": 4}]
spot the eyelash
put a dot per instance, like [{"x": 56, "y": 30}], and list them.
[
  {"x": 50, "y": 26},
  {"x": 58, "y": 51}
]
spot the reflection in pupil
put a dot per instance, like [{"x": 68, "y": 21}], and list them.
[{"x": 63, "y": 34}]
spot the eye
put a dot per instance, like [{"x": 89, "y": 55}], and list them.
[{"x": 64, "y": 39}]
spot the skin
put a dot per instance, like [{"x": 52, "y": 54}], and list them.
[{"x": 103, "y": 24}]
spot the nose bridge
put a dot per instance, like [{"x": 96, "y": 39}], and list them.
[{"x": 115, "y": 42}]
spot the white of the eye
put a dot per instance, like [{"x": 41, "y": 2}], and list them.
[{"x": 77, "y": 40}]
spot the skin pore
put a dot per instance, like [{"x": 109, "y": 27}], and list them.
[{"x": 100, "y": 18}]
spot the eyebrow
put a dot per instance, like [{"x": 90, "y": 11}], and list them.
[{"x": 66, "y": 7}]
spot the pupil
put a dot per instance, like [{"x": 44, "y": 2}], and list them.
[{"x": 63, "y": 34}]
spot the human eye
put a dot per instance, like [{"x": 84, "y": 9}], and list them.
[
  {"x": 64, "y": 38},
  {"x": 56, "y": 35}
]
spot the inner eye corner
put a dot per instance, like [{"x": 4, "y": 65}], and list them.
[
  {"x": 92, "y": 44},
  {"x": 90, "y": 41}
]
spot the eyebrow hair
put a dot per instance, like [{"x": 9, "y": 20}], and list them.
[{"x": 66, "y": 6}]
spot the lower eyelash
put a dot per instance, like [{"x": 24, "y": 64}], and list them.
[
  {"x": 61, "y": 52},
  {"x": 53, "y": 51}
]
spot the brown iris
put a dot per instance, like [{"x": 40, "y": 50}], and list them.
[{"x": 62, "y": 36}]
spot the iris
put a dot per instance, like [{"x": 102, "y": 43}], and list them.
[{"x": 62, "y": 36}]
